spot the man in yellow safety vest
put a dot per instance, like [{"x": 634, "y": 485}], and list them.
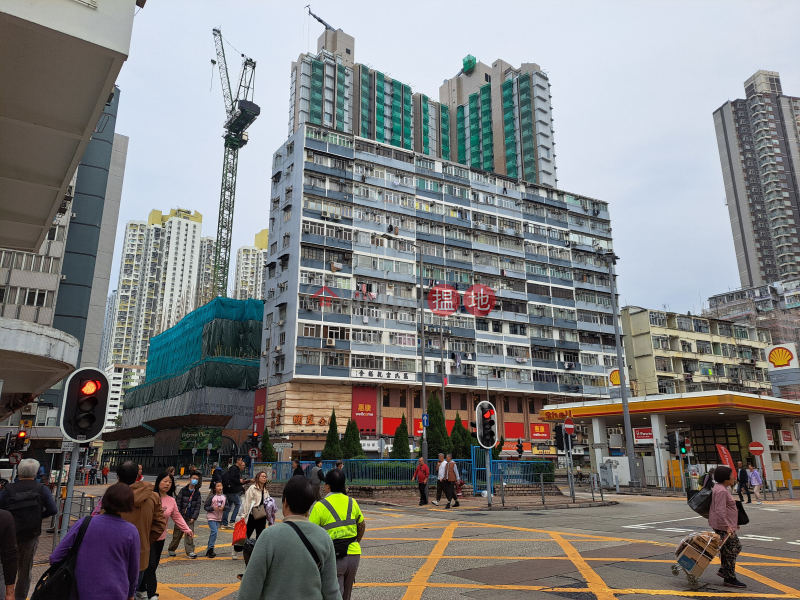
[{"x": 341, "y": 517}]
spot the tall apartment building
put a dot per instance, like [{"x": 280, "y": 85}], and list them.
[
  {"x": 341, "y": 308},
  {"x": 108, "y": 330},
  {"x": 120, "y": 379},
  {"x": 671, "y": 353},
  {"x": 205, "y": 287},
  {"x": 159, "y": 270},
  {"x": 250, "y": 264},
  {"x": 759, "y": 145},
  {"x": 496, "y": 119}
]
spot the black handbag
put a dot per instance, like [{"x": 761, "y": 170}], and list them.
[
  {"x": 701, "y": 502},
  {"x": 742, "y": 518},
  {"x": 58, "y": 582}
]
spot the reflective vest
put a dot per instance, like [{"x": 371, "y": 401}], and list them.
[{"x": 338, "y": 515}]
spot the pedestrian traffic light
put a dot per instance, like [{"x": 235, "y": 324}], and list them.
[
  {"x": 485, "y": 417},
  {"x": 520, "y": 447},
  {"x": 560, "y": 437},
  {"x": 672, "y": 444},
  {"x": 83, "y": 414},
  {"x": 683, "y": 446}
]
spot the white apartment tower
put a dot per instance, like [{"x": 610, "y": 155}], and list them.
[
  {"x": 250, "y": 263},
  {"x": 158, "y": 277},
  {"x": 204, "y": 293}
]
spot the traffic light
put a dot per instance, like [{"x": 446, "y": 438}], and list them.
[
  {"x": 672, "y": 444},
  {"x": 520, "y": 448},
  {"x": 20, "y": 439},
  {"x": 485, "y": 417},
  {"x": 252, "y": 439},
  {"x": 560, "y": 437},
  {"x": 83, "y": 414},
  {"x": 683, "y": 447}
]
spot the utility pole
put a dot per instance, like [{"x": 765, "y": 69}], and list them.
[
  {"x": 611, "y": 260},
  {"x": 424, "y": 444}
]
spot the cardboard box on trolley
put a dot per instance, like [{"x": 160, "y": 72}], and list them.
[{"x": 698, "y": 552}]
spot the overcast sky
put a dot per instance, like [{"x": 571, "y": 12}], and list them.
[{"x": 634, "y": 85}]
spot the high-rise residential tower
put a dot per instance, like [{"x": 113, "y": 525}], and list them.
[
  {"x": 250, "y": 264},
  {"x": 494, "y": 118},
  {"x": 158, "y": 277},
  {"x": 205, "y": 287},
  {"x": 759, "y": 147}
]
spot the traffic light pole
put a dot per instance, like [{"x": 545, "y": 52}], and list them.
[
  {"x": 424, "y": 445},
  {"x": 568, "y": 439},
  {"x": 73, "y": 466},
  {"x": 489, "y": 477},
  {"x": 611, "y": 260}
]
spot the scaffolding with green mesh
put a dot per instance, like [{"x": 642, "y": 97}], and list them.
[
  {"x": 487, "y": 139},
  {"x": 426, "y": 141},
  {"x": 317, "y": 84},
  {"x": 444, "y": 130},
  {"x": 527, "y": 137},
  {"x": 340, "y": 80},
  {"x": 366, "y": 109},
  {"x": 509, "y": 138},
  {"x": 461, "y": 136}
]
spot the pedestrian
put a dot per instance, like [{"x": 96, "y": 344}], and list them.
[
  {"x": 318, "y": 476},
  {"x": 340, "y": 465},
  {"x": 341, "y": 517},
  {"x": 9, "y": 555},
  {"x": 215, "y": 504},
  {"x": 188, "y": 500},
  {"x": 422, "y": 474},
  {"x": 449, "y": 481},
  {"x": 439, "y": 478},
  {"x": 754, "y": 480},
  {"x": 140, "y": 476},
  {"x": 293, "y": 559},
  {"x": 147, "y": 514},
  {"x": 723, "y": 517},
  {"x": 297, "y": 469},
  {"x": 258, "y": 507},
  {"x": 233, "y": 486},
  {"x": 743, "y": 479},
  {"x": 165, "y": 486},
  {"x": 708, "y": 480},
  {"x": 28, "y": 502},
  {"x": 92, "y": 475},
  {"x": 107, "y": 566},
  {"x": 171, "y": 471},
  {"x": 40, "y": 474},
  {"x": 216, "y": 475}
]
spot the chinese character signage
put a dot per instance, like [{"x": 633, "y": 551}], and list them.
[
  {"x": 363, "y": 410},
  {"x": 444, "y": 300},
  {"x": 540, "y": 431},
  {"x": 383, "y": 374},
  {"x": 259, "y": 410},
  {"x": 479, "y": 300}
]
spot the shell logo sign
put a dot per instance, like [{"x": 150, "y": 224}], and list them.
[
  {"x": 783, "y": 356},
  {"x": 613, "y": 377}
]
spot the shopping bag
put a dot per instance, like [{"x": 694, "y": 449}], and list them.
[
  {"x": 701, "y": 502},
  {"x": 742, "y": 519},
  {"x": 239, "y": 532}
]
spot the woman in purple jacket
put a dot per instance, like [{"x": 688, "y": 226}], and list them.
[
  {"x": 110, "y": 546},
  {"x": 723, "y": 517}
]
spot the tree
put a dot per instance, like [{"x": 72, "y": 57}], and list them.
[
  {"x": 400, "y": 448},
  {"x": 267, "y": 451},
  {"x": 461, "y": 440},
  {"x": 351, "y": 442},
  {"x": 498, "y": 448},
  {"x": 438, "y": 439},
  {"x": 333, "y": 447}
]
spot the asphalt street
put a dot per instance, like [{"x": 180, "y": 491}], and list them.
[{"x": 621, "y": 551}]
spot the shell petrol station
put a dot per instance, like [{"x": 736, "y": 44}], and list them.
[{"x": 713, "y": 421}]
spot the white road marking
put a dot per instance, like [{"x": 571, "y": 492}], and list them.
[
  {"x": 758, "y": 538},
  {"x": 676, "y": 529},
  {"x": 646, "y": 525}
]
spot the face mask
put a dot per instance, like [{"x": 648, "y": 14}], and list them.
[{"x": 194, "y": 481}]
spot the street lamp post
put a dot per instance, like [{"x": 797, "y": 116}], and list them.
[{"x": 611, "y": 260}]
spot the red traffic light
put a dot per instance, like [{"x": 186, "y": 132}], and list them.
[
  {"x": 488, "y": 413},
  {"x": 90, "y": 387},
  {"x": 22, "y": 435}
]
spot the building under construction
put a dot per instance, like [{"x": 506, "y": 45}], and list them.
[{"x": 198, "y": 393}]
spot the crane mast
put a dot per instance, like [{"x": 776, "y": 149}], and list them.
[{"x": 240, "y": 112}]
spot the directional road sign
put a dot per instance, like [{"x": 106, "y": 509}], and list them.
[
  {"x": 426, "y": 422},
  {"x": 282, "y": 445},
  {"x": 569, "y": 426},
  {"x": 756, "y": 448}
]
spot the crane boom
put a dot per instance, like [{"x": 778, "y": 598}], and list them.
[
  {"x": 240, "y": 112},
  {"x": 308, "y": 6}
]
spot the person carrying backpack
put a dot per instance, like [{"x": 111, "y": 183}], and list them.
[
  {"x": 28, "y": 502},
  {"x": 216, "y": 475}
]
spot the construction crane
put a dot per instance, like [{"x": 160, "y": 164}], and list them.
[
  {"x": 308, "y": 6},
  {"x": 241, "y": 112}
]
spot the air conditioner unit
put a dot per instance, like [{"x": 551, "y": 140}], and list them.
[
  {"x": 325, "y": 214},
  {"x": 567, "y": 243},
  {"x": 277, "y": 348},
  {"x": 281, "y": 322},
  {"x": 336, "y": 217},
  {"x": 466, "y": 252},
  {"x": 330, "y": 342},
  {"x": 264, "y": 353},
  {"x": 309, "y": 155}
]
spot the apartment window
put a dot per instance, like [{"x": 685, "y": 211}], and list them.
[
  {"x": 417, "y": 401},
  {"x": 286, "y": 240},
  {"x": 386, "y": 401},
  {"x": 273, "y": 248},
  {"x": 663, "y": 364},
  {"x": 686, "y": 346},
  {"x": 703, "y": 347},
  {"x": 658, "y": 319}
]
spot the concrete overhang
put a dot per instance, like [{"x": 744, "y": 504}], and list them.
[
  {"x": 58, "y": 64},
  {"x": 33, "y": 358}
]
